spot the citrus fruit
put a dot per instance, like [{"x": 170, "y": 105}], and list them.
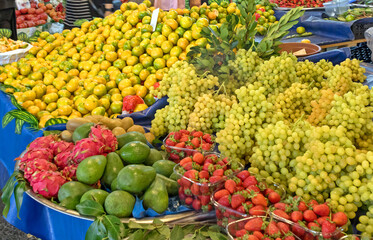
[{"x": 301, "y": 30}]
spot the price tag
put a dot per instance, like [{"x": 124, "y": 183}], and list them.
[
  {"x": 154, "y": 20},
  {"x": 21, "y": 4}
]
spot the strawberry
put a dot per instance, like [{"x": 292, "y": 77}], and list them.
[
  {"x": 230, "y": 185},
  {"x": 225, "y": 201},
  {"x": 281, "y": 214},
  {"x": 314, "y": 226},
  {"x": 184, "y": 182},
  {"x": 169, "y": 142},
  {"x": 308, "y": 236},
  {"x": 258, "y": 210},
  {"x": 254, "y": 188},
  {"x": 214, "y": 179},
  {"x": 185, "y": 160},
  {"x": 196, "y": 142},
  {"x": 281, "y": 206},
  {"x": 184, "y": 139},
  {"x": 302, "y": 206},
  {"x": 250, "y": 180},
  {"x": 191, "y": 174},
  {"x": 258, "y": 234},
  {"x": 254, "y": 224},
  {"x": 180, "y": 145},
  {"x": 340, "y": 219},
  {"x": 177, "y": 135},
  {"x": 237, "y": 200},
  {"x": 196, "y": 204},
  {"x": 203, "y": 174},
  {"x": 239, "y": 188},
  {"x": 188, "y": 201},
  {"x": 241, "y": 233},
  {"x": 221, "y": 193},
  {"x": 207, "y": 166},
  {"x": 188, "y": 166},
  {"x": 241, "y": 209},
  {"x": 309, "y": 216},
  {"x": 284, "y": 227},
  {"x": 198, "y": 158},
  {"x": 174, "y": 157},
  {"x": 274, "y": 197},
  {"x": 251, "y": 237},
  {"x": 243, "y": 175},
  {"x": 327, "y": 229},
  {"x": 267, "y": 191},
  {"x": 321, "y": 210},
  {"x": 259, "y": 199},
  {"x": 195, "y": 189},
  {"x": 321, "y": 220},
  {"x": 312, "y": 203},
  {"x": 197, "y": 134},
  {"x": 298, "y": 230},
  {"x": 289, "y": 238},
  {"x": 184, "y": 132},
  {"x": 218, "y": 172},
  {"x": 206, "y": 146},
  {"x": 205, "y": 199},
  {"x": 272, "y": 229},
  {"x": 296, "y": 216},
  {"x": 182, "y": 196}
]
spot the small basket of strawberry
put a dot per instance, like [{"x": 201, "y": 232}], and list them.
[
  {"x": 311, "y": 220},
  {"x": 184, "y": 143},
  {"x": 259, "y": 228},
  {"x": 202, "y": 174},
  {"x": 245, "y": 195}
]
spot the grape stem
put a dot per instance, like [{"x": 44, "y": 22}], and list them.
[
  {"x": 221, "y": 86},
  {"x": 298, "y": 121}
]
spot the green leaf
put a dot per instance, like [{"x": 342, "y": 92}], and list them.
[
  {"x": 164, "y": 231},
  {"x": 7, "y": 119},
  {"x": 7, "y": 193},
  {"x": 54, "y": 121},
  {"x": 114, "y": 227},
  {"x": 154, "y": 235},
  {"x": 133, "y": 224},
  {"x": 90, "y": 208},
  {"x": 217, "y": 236},
  {"x": 177, "y": 233},
  {"x": 96, "y": 231},
  {"x": 18, "y": 195},
  {"x": 138, "y": 235},
  {"x": 25, "y": 116},
  {"x": 15, "y": 103},
  {"x": 19, "y": 125}
]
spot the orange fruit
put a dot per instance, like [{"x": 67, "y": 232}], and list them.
[
  {"x": 159, "y": 63},
  {"x": 111, "y": 56},
  {"x": 156, "y": 52}
]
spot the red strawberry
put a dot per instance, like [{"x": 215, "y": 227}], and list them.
[
  {"x": 184, "y": 182},
  {"x": 169, "y": 142},
  {"x": 340, "y": 219},
  {"x": 180, "y": 145},
  {"x": 197, "y": 134},
  {"x": 191, "y": 174},
  {"x": 254, "y": 224},
  {"x": 196, "y": 142},
  {"x": 203, "y": 174},
  {"x": 225, "y": 201},
  {"x": 321, "y": 210},
  {"x": 281, "y": 213},
  {"x": 205, "y": 199},
  {"x": 250, "y": 180},
  {"x": 314, "y": 226},
  {"x": 185, "y": 160},
  {"x": 284, "y": 227},
  {"x": 254, "y": 188},
  {"x": 289, "y": 238},
  {"x": 309, "y": 216},
  {"x": 272, "y": 229},
  {"x": 251, "y": 237},
  {"x": 206, "y": 146},
  {"x": 259, "y": 199},
  {"x": 218, "y": 172},
  {"x": 258, "y": 210},
  {"x": 230, "y": 185},
  {"x": 182, "y": 196},
  {"x": 195, "y": 189},
  {"x": 321, "y": 220},
  {"x": 188, "y": 200},
  {"x": 243, "y": 175},
  {"x": 214, "y": 179},
  {"x": 312, "y": 203},
  {"x": 241, "y": 233},
  {"x": 207, "y": 166},
  {"x": 221, "y": 193},
  {"x": 188, "y": 166},
  {"x": 239, "y": 188},
  {"x": 296, "y": 216},
  {"x": 258, "y": 234},
  {"x": 237, "y": 200},
  {"x": 183, "y": 131},
  {"x": 198, "y": 158},
  {"x": 308, "y": 236},
  {"x": 281, "y": 206},
  {"x": 274, "y": 197},
  {"x": 177, "y": 135},
  {"x": 174, "y": 157},
  {"x": 298, "y": 230},
  {"x": 327, "y": 229},
  {"x": 196, "y": 204},
  {"x": 302, "y": 206}
]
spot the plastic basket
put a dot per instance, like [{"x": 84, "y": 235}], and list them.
[
  {"x": 358, "y": 28},
  {"x": 362, "y": 53}
]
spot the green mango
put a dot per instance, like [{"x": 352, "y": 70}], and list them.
[
  {"x": 156, "y": 196},
  {"x": 135, "y": 178},
  {"x": 91, "y": 169},
  {"x": 113, "y": 166},
  {"x": 114, "y": 185},
  {"x": 164, "y": 167},
  {"x": 97, "y": 195},
  {"x": 82, "y": 131},
  {"x": 120, "y": 203},
  {"x": 130, "y": 137},
  {"x": 70, "y": 193},
  {"x": 154, "y": 156},
  {"x": 134, "y": 152},
  {"x": 171, "y": 185}
]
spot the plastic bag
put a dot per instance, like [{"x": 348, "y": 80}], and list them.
[
  {"x": 369, "y": 37},
  {"x": 14, "y": 56}
]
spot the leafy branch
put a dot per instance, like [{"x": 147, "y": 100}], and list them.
[{"x": 11, "y": 187}]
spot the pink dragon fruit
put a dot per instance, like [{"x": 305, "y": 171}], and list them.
[
  {"x": 38, "y": 153},
  {"x": 62, "y": 146},
  {"x": 35, "y": 165},
  {"x": 87, "y": 147},
  {"x": 47, "y": 183},
  {"x": 69, "y": 172},
  {"x": 43, "y": 142},
  {"x": 63, "y": 159},
  {"x": 105, "y": 136}
]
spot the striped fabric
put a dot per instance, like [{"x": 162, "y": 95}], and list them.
[{"x": 75, "y": 10}]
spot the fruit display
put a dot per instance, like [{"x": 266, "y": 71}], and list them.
[
  {"x": 183, "y": 143},
  {"x": 89, "y": 70},
  {"x": 264, "y": 15},
  {"x": 303, "y": 3},
  {"x": 353, "y": 14},
  {"x": 202, "y": 174},
  {"x": 31, "y": 17},
  {"x": 7, "y": 45}
]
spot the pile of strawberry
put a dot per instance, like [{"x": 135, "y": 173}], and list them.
[
  {"x": 202, "y": 174},
  {"x": 184, "y": 143},
  {"x": 243, "y": 196},
  {"x": 310, "y": 219},
  {"x": 299, "y": 3},
  {"x": 260, "y": 228}
]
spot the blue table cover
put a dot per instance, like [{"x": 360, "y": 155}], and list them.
[{"x": 47, "y": 223}]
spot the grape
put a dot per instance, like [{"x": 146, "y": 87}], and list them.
[
  {"x": 310, "y": 73},
  {"x": 357, "y": 71},
  {"x": 339, "y": 79},
  {"x": 321, "y": 107},
  {"x": 366, "y": 224}
]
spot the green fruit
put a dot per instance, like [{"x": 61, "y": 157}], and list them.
[
  {"x": 120, "y": 203},
  {"x": 135, "y": 178},
  {"x": 164, "y": 167},
  {"x": 134, "y": 152},
  {"x": 130, "y": 137},
  {"x": 156, "y": 196},
  {"x": 113, "y": 166},
  {"x": 301, "y": 30},
  {"x": 70, "y": 193},
  {"x": 82, "y": 131},
  {"x": 91, "y": 169},
  {"x": 174, "y": 176},
  {"x": 114, "y": 185},
  {"x": 154, "y": 156},
  {"x": 97, "y": 195},
  {"x": 171, "y": 185}
]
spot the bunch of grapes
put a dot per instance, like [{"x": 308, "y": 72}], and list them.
[
  {"x": 310, "y": 73},
  {"x": 321, "y": 107},
  {"x": 357, "y": 71},
  {"x": 339, "y": 79},
  {"x": 295, "y": 101},
  {"x": 366, "y": 224}
]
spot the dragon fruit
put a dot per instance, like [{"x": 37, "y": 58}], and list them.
[
  {"x": 35, "y": 165},
  {"x": 47, "y": 183},
  {"x": 69, "y": 172},
  {"x": 63, "y": 159},
  {"x": 38, "y": 153},
  {"x": 105, "y": 136},
  {"x": 43, "y": 142},
  {"x": 87, "y": 147},
  {"x": 62, "y": 146}
]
